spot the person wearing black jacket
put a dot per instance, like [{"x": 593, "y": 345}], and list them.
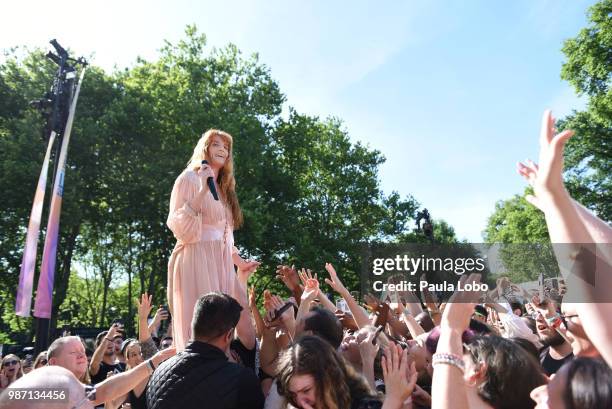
[{"x": 201, "y": 376}]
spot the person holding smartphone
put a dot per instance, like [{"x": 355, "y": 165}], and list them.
[
  {"x": 104, "y": 359},
  {"x": 204, "y": 211}
]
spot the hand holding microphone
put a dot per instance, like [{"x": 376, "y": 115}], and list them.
[{"x": 209, "y": 180}]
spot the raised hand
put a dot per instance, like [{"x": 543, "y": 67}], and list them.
[
  {"x": 367, "y": 348},
  {"x": 311, "y": 288},
  {"x": 547, "y": 179},
  {"x": 267, "y": 300},
  {"x": 160, "y": 315},
  {"x": 112, "y": 331},
  {"x": 400, "y": 379},
  {"x": 428, "y": 298},
  {"x": 333, "y": 281},
  {"x": 246, "y": 268},
  {"x": 289, "y": 276},
  {"x": 305, "y": 275},
  {"x": 372, "y": 303},
  {"x": 460, "y": 306},
  {"x": 4, "y": 380},
  {"x": 144, "y": 305},
  {"x": 347, "y": 320},
  {"x": 278, "y": 313}
]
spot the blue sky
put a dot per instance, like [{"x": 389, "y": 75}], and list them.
[{"x": 451, "y": 92}]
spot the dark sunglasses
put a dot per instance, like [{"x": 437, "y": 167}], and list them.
[
  {"x": 10, "y": 363},
  {"x": 564, "y": 318}
]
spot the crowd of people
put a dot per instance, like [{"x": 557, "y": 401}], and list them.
[{"x": 474, "y": 351}]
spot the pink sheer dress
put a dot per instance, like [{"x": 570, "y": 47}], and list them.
[{"x": 202, "y": 258}]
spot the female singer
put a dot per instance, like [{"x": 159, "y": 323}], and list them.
[{"x": 204, "y": 256}]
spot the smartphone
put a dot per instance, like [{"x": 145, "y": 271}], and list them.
[{"x": 342, "y": 305}]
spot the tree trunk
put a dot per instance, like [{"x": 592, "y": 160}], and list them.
[{"x": 103, "y": 312}]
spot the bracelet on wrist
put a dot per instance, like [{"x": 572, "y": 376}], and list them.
[
  {"x": 151, "y": 365},
  {"x": 448, "y": 359}
]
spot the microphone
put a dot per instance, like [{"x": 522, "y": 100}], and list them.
[{"x": 211, "y": 183}]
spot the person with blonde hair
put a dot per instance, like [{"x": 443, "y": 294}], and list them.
[
  {"x": 204, "y": 256},
  {"x": 10, "y": 371}
]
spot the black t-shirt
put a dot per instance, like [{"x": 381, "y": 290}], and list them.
[
  {"x": 550, "y": 364},
  {"x": 105, "y": 369},
  {"x": 243, "y": 355},
  {"x": 138, "y": 402}
]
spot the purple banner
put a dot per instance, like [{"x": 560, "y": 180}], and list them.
[{"x": 23, "y": 301}]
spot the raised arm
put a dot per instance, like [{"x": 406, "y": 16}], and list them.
[
  {"x": 588, "y": 278},
  {"x": 448, "y": 386},
  {"x": 306, "y": 274},
  {"x": 98, "y": 355},
  {"x": 289, "y": 276},
  {"x": 413, "y": 326},
  {"x": 311, "y": 290},
  {"x": 360, "y": 316},
  {"x": 120, "y": 384},
  {"x": 144, "y": 335},
  {"x": 259, "y": 322}
]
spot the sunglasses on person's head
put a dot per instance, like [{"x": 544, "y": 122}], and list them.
[{"x": 10, "y": 363}]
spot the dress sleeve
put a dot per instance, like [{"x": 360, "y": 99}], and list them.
[{"x": 183, "y": 220}]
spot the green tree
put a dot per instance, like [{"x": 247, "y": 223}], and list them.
[{"x": 588, "y": 69}]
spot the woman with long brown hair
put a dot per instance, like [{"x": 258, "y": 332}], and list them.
[
  {"x": 312, "y": 375},
  {"x": 204, "y": 256}
]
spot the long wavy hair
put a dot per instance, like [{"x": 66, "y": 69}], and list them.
[
  {"x": 337, "y": 383},
  {"x": 225, "y": 178}
]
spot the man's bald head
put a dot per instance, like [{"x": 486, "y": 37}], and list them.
[{"x": 54, "y": 377}]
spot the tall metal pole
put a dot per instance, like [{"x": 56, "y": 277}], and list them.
[{"x": 61, "y": 96}]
